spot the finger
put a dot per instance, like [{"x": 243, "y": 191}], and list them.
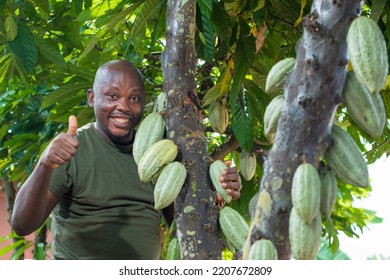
[
  {"x": 234, "y": 194},
  {"x": 72, "y": 126},
  {"x": 228, "y": 163}
]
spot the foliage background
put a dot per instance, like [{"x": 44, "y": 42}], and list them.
[{"x": 50, "y": 49}]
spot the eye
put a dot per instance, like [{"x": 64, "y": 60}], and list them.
[
  {"x": 135, "y": 99},
  {"x": 112, "y": 95}
]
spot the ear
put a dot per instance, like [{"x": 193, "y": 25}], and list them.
[{"x": 91, "y": 97}]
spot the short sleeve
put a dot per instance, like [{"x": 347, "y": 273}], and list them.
[{"x": 60, "y": 182}]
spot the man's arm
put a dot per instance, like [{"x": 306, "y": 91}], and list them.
[{"x": 34, "y": 202}]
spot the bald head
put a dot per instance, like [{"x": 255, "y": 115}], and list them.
[{"x": 124, "y": 67}]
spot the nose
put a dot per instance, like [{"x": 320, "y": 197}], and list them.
[{"x": 123, "y": 105}]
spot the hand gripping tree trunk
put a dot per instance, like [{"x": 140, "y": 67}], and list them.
[
  {"x": 195, "y": 212},
  {"x": 312, "y": 93}
]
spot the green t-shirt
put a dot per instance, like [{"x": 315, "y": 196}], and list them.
[{"x": 105, "y": 211}]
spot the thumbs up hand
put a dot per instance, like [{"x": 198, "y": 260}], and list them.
[
  {"x": 62, "y": 148},
  {"x": 72, "y": 126}
]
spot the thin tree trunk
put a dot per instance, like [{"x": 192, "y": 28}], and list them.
[
  {"x": 10, "y": 194},
  {"x": 195, "y": 212},
  {"x": 312, "y": 93}
]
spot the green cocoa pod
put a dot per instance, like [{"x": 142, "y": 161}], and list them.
[
  {"x": 328, "y": 190},
  {"x": 150, "y": 130},
  {"x": 271, "y": 117},
  {"x": 169, "y": 184},
  {"x": 278, "y": 74},
  {"x": 233, "y": 226},
  {"x": 365, "y": 109},
  {"x": 247, "y": 165},
  {"x": 263, "y": 250},
  {"x": 173, "y": 251},
  {"x": 305, "y": 239},
  {"x": 346, "y": 159},
  {"x": 215, "y": 172},
  {"x": 155, "y": 158},
  {"x": 367, "y": 53},
  {"x": 159, "y": 104},
  {"x": 306, "y": 192},
  {"x": 219, "y": 116}
]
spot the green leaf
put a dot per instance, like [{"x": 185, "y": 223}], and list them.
[
  {"x": 48, "y": 51},
  {"x": 207, "y": 28},
  {"x": 107, "y": 28},
  {"x": 24, "y": 47},
  {"x": 242, "y": 123},
  {"x": 11, "y": 27},
  {"x": 5, "y": 62},
  {"x": 10, "y": 247},
  {"x": 212, "y": 94},
  {"x": 139, "y": 26},
  {"x": 63, "y": 92}
]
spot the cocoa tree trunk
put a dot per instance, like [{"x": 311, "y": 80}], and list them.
[
  {"x": 195, "y": 212},
  {"x": 312, "y": 93}
]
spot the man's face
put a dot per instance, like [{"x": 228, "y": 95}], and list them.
[{"x": 118, "y": 99}]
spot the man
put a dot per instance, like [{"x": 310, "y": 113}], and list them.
[{"x": 88, "y": 178}]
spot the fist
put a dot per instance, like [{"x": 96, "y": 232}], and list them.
[
  {"x": 231, "y": 181},
  {"x": 63, "y": 147}
]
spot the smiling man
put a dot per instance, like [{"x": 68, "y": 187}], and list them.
[{"x": 87, "y": 178}]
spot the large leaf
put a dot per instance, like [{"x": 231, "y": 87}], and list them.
[
  {"x": 63, "y": 92},
  {"x": 48, "y": 51},
  {"x": 5, "y": 63},
  {"x": 207, "y": 28},
  {"x": 107, "y": 28},
  {"x": 24, "y": 47},
  {"x": 242, "y": 123},
  {"x": 148, "y": 9}
]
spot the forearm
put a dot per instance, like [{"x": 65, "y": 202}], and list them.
[{"x": 31, "y": 203}]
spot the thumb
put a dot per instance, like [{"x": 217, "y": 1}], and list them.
[{"x": 72, "y": 126}]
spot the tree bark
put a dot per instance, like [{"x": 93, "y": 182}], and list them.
[
  {"x": 313, "y": 94},
  {"x": 196, "y": 214}
]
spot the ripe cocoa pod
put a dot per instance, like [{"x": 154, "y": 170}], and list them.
[
  {"x": 233, "y": 226},
  {"x": 365, "y": 109},
  {"x": 263, "y": 249},
  {"x": 306, "y": 192},
  {"x": 367, "y": 53},
  {"x": 155, "y": 158},
  {"x": 278, "y": 74},
  {"x": 150, "y": 130},
  {"x": 215, "y": 172},
  {"x": 305, "y": 239},
  {"x": 346, "y": 159},
  {"x": 271, "y": 117},
  {"x": 173, "y": 250},
  {"x": 169, "y": 184},
  {"x": 247, "y": 165},
  {"x": 219, "y": 116},
  {"x": 328, "y": 190}
]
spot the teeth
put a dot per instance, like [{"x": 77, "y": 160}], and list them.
[{"x": 122, "y": 120}]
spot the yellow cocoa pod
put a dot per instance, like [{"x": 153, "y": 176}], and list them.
[
  {"x": 247, "y": 165},
  {"x": 219, "y": 116}
]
